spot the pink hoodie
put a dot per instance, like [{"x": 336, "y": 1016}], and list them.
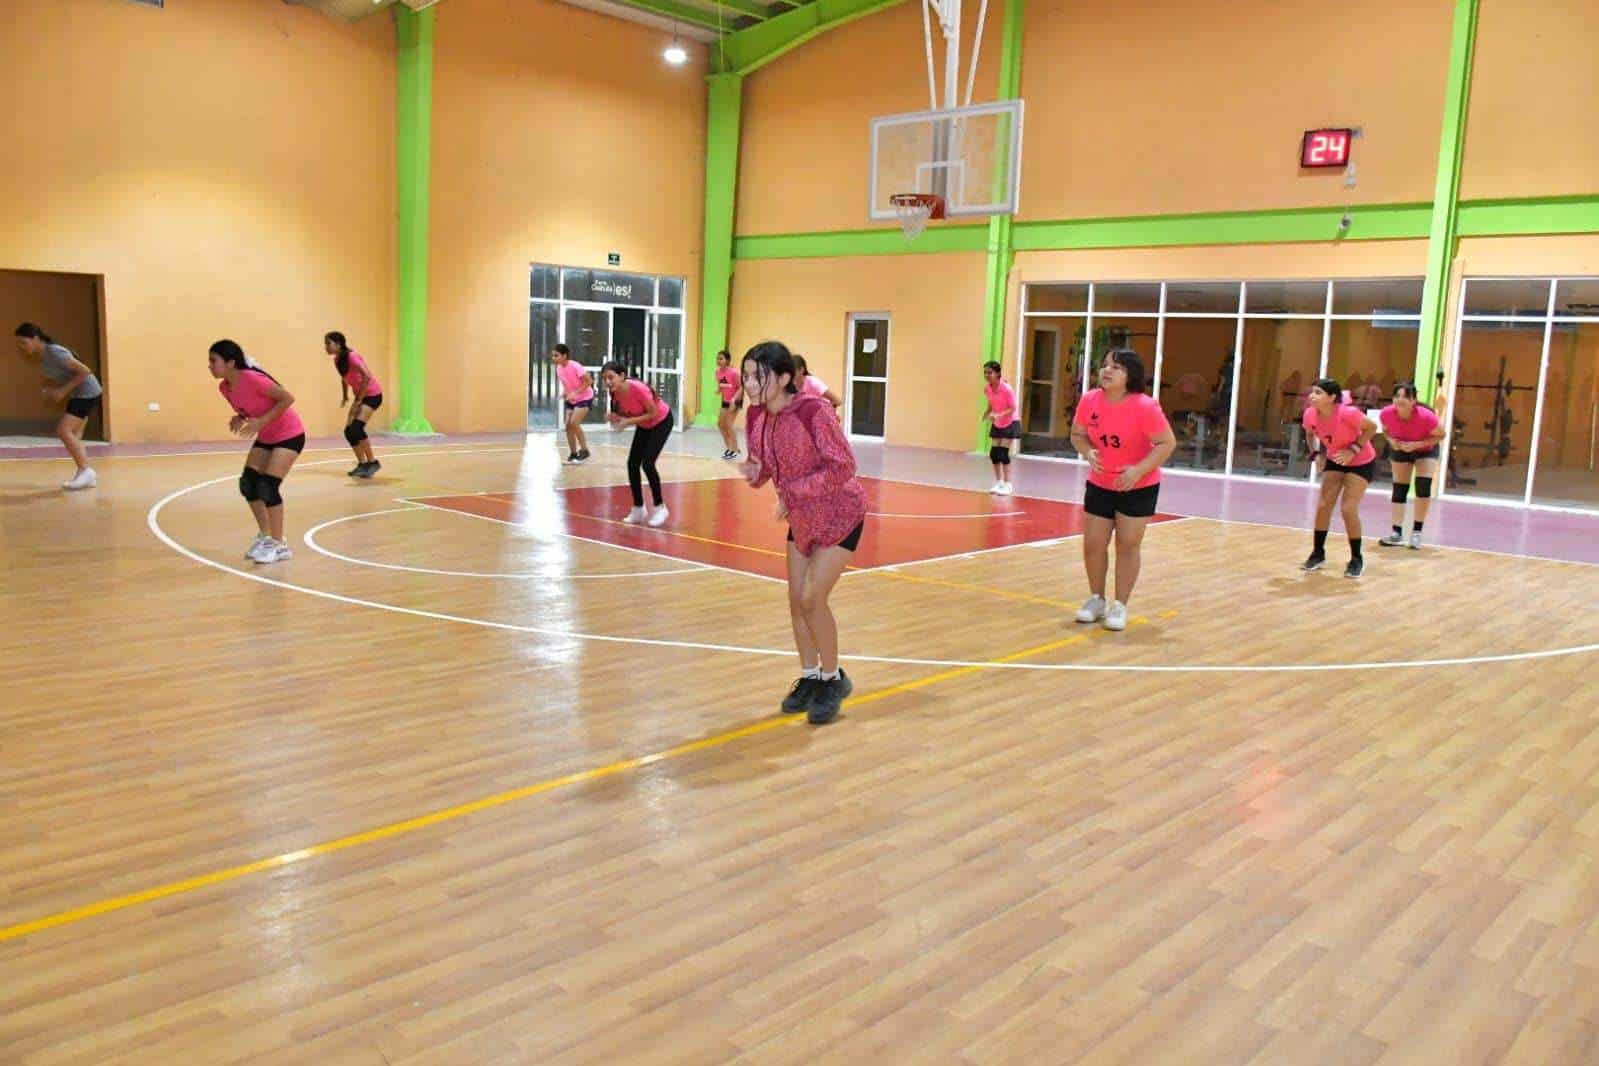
[{"x": 803, "y": 450}]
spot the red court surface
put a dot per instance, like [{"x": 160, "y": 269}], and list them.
[{"x": 724, "y": 523}]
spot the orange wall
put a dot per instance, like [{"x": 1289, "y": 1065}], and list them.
[
  {"x": 559, "y": 135},
  {"x": 1534, "y": 101},
  {"x": 935, "y": 336},
  {"x": 227, "y": 165}
]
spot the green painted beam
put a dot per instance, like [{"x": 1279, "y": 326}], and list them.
[
  {"x": 694, "y": 16},
  {"x": 744, "y": 7},
  {"x": 1384, "y": 222},
  {"x": 883, "y": 241},
  {"x": 1001, "y": 250},
  {"x": 747, "y": 50},
  {"x": 1442, "y": 233},
  {"x": 1529, "y": 217},
  {"x": 413, "y": 146},
  {"x": 723, "y": 112}
]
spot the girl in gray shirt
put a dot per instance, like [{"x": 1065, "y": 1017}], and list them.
[{"x": 71, "y": 383}]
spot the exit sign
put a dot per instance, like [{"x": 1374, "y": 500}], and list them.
[
  {"x": 1325, "y": 148},
  {"x": 614, "y": 259}
]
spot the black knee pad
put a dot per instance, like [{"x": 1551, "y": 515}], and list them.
[
  {"x": 996, "y": 454},
  {"x": 1423, "y": 487},
  {"x": 355, "y": 432},
  {"x": 250, "y": 484},
  {"x": 1401, "y": 492},
  {"x": 269, "y": 491}
]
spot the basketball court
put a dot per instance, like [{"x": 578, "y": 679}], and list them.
[{"x": 486, "y": 774}]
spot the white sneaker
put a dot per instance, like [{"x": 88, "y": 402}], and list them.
[
  {"x": 264, "y": 550},
  {"x": 1006, "y": 489},
  {"x": 1116, "y": 616},
  {"x": 83, "y": 479},
  {"x": 635, "y": 516},
  {"x": 272, "y": 551},
  {"x": 1092, "y": 610},
  {"x": 1415, "y": 540},
  {"x": 659, "y": 516},
  {"x": 997, "y": 488},
  {"x": 255, "y": 545}
]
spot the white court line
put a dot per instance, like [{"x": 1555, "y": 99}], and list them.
[
  {"x": 153, "y": 521},
  {"x": 311, "y": 542}
]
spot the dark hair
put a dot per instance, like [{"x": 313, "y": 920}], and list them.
[
  {"x": 1132, "y": 364},
  {"x": 772, "y": 359},
  {"x": 800, "y": 366},
  {"x": 615, "y": 367},
  {"x": 1406, "y": 388},
  {"x": 994, "y": 366},
  {"x": 341, "y": 361},
  {"x": 28, "y": 329},
  {"x": 725, "y": 354},
  {"x": 230, "y": 352},
  {"x": 562, "y": 350},
  {"x": 1331, "y": 387}
]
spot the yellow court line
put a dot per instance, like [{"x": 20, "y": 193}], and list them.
[{"x": 291, "y": 858}]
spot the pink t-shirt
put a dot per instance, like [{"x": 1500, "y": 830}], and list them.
[
  {"x": 633, "y": 399},
  {"x": 814, "y": 386},
  {"x": 1340, "y": 432},
  {"x": 1418, "y": 427},
  {"x": 352, "y": 377},
  {"x": 1001, "y": 397},
  {"x": 1123, "y": 433},
  {"x": 249, "y": 397},
  {"x": 571, "y": 374},
  {"x": 727, "y": 383}
]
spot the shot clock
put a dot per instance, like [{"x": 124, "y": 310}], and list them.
[{"x": 1327, "y": 148}]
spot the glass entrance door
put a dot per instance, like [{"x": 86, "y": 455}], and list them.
[{"x": 866, "y": 400}]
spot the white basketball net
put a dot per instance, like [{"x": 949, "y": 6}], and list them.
[{"x": 913, "y": 216}]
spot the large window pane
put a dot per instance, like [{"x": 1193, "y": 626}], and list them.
[
  {"x": 671, "y": 292},
  {"x": 1135, "y": 333},
  {"x": 1196, "y": 388},
  {"x": 1518, "y": 298},
  {"x": 1492, "y": 408},
  {"x": 1286, "y": 298},
  {"x": 1049, "y": 387},
  {"x": 868, "y": 399},
  {"x": 1382, "y": 297},
  {"x": 668, "y": 350},
  {"x": 543, "y": 397},
  {"x": 1369, "y": 357},
  {"x": 1280, "y": 360},
  {"x": 1202, "y": 298},
  {"x": 1577, "y": 297},
  {"x": 1127, "y": 298},
  {"x": 1568, "y": 438},
  {"x": 869, "y": 357},
  {"x": 1057, "y": 297},
  {"x": 546, "y": 282}
]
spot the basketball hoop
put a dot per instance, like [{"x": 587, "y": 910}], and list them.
[{"x": 915, "y": 209}]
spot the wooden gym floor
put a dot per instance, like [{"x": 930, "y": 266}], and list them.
[{"x": 449, "y": 790}]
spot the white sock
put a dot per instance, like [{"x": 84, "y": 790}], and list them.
[
  {"x": 830, "y": 675},
  {"x": 812, "y": 672}
]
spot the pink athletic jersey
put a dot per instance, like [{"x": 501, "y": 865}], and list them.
[
  {"x": 1418, "y": 427},
  {"x": 1123, "y": 433},
  {"x": 1001, "y": 397},
  {"x": 803, "y": 450},
  {"x": 633, "y": 399},
  {"x": 728, "y": 383},
  {"x": 814, "y": 386},
  {"x": 571, "y": 374},
  {"x": 1340, "y": 432},
  {"x": 249, "y": 398},
  {"x": 352, "y": 376}
]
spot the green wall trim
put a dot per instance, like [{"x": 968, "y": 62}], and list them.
[
  {"x": 1529, "y": 217},
  {"x": 883, "y": 241},
  {"x": 1442, "y": 235},
  {"x": 747, "y": 50},
  {"x": 724, "y": 106},
  {"x": 1377, "y": 222},
  {"x": 413, "y": 145},
  {"x": 1001, "y": 228}
]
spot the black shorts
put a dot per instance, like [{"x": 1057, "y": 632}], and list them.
[
  {"x": 1134, "y": 503},
  {"x": 82, "y": 406},
  {"x": 581, "y": 404},
  {"x": 1010, "y": 432},
  {"x": 294, "y": 444},
  {"x": 849, "y": 543},
  {"x": 1411, "y": 457},
  {"x": 1366, "y": 471},
  {"x": 373, "y": 402},
  {"x": 726, "y": 406}
]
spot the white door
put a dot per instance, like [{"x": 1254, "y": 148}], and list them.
[{"x": 866, "y": 392}]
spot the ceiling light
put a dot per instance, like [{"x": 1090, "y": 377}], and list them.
[{"x": 675, "y": 53}]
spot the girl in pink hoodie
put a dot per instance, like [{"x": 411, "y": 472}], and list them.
[{"x": 797, "y": 443}]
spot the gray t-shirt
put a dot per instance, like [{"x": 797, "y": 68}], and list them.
[{"x": 56, "y": 363}]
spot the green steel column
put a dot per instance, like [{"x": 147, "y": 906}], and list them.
[
  {"x": 413, "y": 141},
  {"x": 1442, "y": 238},
  {"x": 724, "y": 105},
  {"x": 1001, "y": 252}
]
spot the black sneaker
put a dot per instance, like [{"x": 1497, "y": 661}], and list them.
[
  {"x": 1356, "y": 567},
  {"x": 582, "y": 456},
  {"x": 800, "y": 696},
  {"x": 355, "y": 471},
  {"x": 1316, "y": 561},
  {"x": 830, "y": 699},
  {"x": 368, "y": 469},
  {"x": 571, "y": 458}
]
